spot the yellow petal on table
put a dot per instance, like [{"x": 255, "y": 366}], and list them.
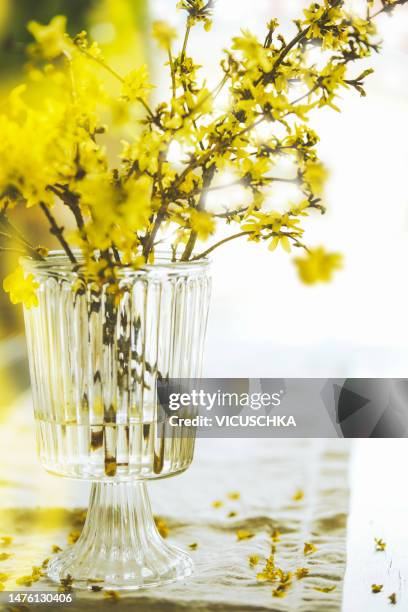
[
  {"x": 309, "y": 549},
  {"x": 243, "y": 534}
]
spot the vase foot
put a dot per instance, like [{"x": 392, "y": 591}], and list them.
[
  {"x": 120, "y": 547},
  {"x": 65, "y": 569}
]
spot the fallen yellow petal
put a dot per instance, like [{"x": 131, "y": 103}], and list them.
[
  {"x": 243, "y": 534},
  {"x": 302, "y": 572},
  {"x": 234, "y": 495},
  {"x": 280, "y": 591},
  {"x": 380, "y": 545},
  {"x": 73, "y": 537},
  {"x": 254, "y": 560},
  {"x": 328, "y": 589},
  {"x": 217, "y": 504},
  {"x": 111, "y": 595},
  {"x": 309, "y": 549},
  {"x": 275, "y": 535},
  {"x": 162, "y": 527},
  {"x": 55, "y": 549}
]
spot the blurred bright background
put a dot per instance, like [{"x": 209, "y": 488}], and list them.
[{"x": 263, "y": 322}]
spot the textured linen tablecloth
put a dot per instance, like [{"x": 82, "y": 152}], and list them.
[{"x": 38, "y": 511}]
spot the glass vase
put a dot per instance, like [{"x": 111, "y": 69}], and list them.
[{"x": 96, "y": 357}]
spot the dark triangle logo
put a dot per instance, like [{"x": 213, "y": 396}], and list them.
[
  {"x": 390, "y": 425},
  {"x": 347, "y": 402}
]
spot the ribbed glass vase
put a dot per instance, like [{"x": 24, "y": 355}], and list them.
[{"x": 95, "y": 359}]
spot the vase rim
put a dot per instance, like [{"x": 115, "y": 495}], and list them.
[{"x": 57, "y": 261}]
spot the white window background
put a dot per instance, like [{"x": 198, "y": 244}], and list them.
[{"x": 263, "y": 322}]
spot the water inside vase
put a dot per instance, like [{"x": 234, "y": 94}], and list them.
[
  {"x": 100, "y": 451},
  {"x": 95, "y": 362}
]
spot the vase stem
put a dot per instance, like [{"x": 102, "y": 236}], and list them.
[{"x": 120, "y": 546}]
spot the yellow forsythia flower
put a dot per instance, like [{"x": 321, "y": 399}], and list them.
[
  {"x": 315, "y": 175},
  {"x": 51, "y": 39},
  {"x": 318, "y": 266},
  {"x": 164, "y": 33},
  {"x": 202, "y": 223},
  {"x": 22, "y": 289},
  {"x": 136, "y": 85}
]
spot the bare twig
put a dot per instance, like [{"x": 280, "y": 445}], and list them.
[
  {"x": 70, "y": 200},
  {"x": 173, "y": 76},
  {"x": 221, "y": 242},
  {"x": 14, "y": 233},
  {"x": 58, "y": 232}
]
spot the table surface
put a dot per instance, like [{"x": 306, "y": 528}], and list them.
[{"x": 378, "y": 506}]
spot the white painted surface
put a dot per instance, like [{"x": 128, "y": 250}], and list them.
[{"x": 379, "y": 508}]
